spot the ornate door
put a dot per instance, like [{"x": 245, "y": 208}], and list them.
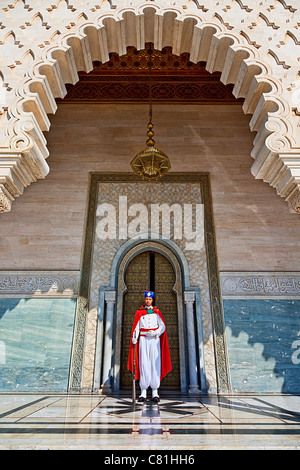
[{"x": 151, "y": 271}]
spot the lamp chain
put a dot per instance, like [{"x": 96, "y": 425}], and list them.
[
  {"x": 150, "y": 142},
  {"x": 150, "y": 83}
]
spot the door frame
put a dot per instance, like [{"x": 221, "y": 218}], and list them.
[
  {"x": 121, "y": 290},
  {"x": 87, "y": 353},
  {"x": 175, "y": 256}
]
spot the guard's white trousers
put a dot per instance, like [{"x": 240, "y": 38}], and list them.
[{"x": 149, "y": 362}]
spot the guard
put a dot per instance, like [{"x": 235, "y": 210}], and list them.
[{"x": 152, "y": 355}]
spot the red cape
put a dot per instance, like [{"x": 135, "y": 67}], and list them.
[{"x": 166, "y": 366}]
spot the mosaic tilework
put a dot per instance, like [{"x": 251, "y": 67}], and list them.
[
  {"x": 35, "y": 344},
  {"x": 189, "y": 188},
  {"x": 263, "y": 341}
]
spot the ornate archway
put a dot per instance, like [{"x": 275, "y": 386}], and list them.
[
  {"x": 152, "y": 270},
  {"x": 139, "y": 257},
  {"x": 253, "y": 46},
  {"x": 96, "y": 353},
  {"x": 184, "y": 320}
]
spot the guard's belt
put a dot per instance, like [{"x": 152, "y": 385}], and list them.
[{"x": 144, "y": 330}]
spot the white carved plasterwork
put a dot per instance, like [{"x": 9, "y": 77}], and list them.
[
  {"x": 5, "y": 201},
  {"x": 30, "y": 284},
  {"x": 240, "y": 285},
  {"x": 254, "y": 44}
]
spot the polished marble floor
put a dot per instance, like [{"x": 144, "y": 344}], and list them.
[{"x": 177, "y": 422}]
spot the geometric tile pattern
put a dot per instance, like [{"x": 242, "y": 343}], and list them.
[{"x": 177, "y": 422}]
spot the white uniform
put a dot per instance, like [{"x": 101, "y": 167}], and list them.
[{"x": 149, "y": 328}]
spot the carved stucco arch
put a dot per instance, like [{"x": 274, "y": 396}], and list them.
[{"x": 276, "y": 149}]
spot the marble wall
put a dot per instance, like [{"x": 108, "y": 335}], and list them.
[
  {"x": 35, "y": 344},
  {"x": 262, "y": 318}
]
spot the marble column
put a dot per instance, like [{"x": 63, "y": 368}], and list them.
[
  {"x": 110, "y": 299},
  {"x": 189, "y": 300}
]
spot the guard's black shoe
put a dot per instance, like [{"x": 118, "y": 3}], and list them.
[
  {"x": 141, "y": 399},
  {"x": 155, "y": 399}
]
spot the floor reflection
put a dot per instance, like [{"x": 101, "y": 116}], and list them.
[{"x": 114, "y": 422}]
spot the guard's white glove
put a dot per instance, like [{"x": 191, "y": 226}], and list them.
[
  {"x": 134, "y": 340},
  {"x": 152, "y": 333}
]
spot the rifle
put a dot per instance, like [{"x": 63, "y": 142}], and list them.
[{"x": 133, "y": 374}]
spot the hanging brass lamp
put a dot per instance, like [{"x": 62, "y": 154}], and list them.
[{"x": 151, "y": 164}]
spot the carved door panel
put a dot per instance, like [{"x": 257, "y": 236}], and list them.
[
  {"x": 151, "y": 271},
  {"x": 137, "y": 278},
  {"x": 166, "y": 301}
]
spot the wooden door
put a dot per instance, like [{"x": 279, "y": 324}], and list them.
[{"x": 151, "y": 271}]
